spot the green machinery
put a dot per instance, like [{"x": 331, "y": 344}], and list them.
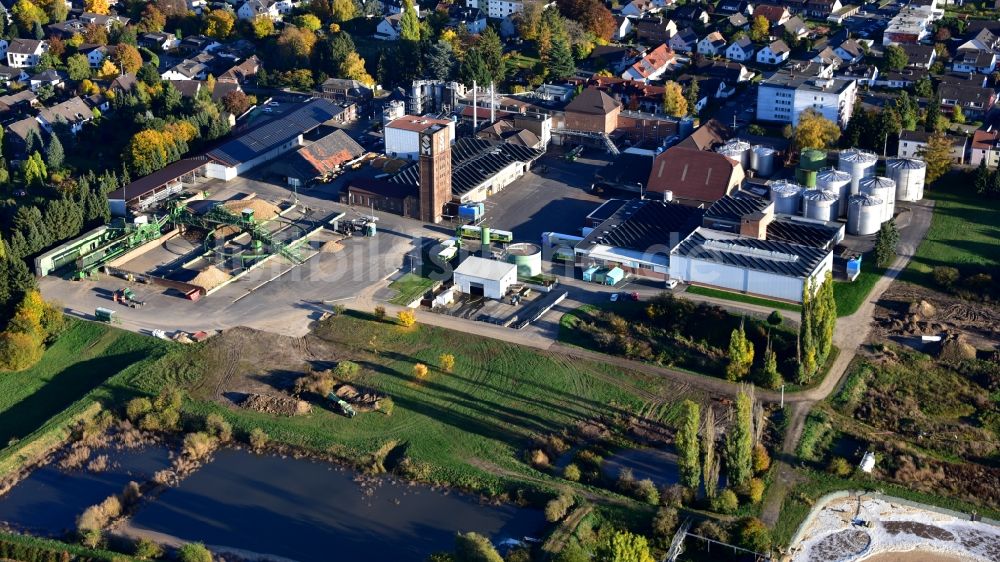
[
  {"x": 342, "y": 406},
  {"x": 129, "y": 236}
]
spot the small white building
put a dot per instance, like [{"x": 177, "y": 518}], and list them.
[
  {"x": 480, "y": 277},
  {"x": 713, "y": 44},
  {"x": 740, "y": 50},
  {"x": 775, "y": 53},
  {"x": 402, "y": 135},
  {"x": 867, "y": 463}
]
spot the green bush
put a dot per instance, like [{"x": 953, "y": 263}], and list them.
[
  {"x": 754, "y": 535},
  {"x": 945, "y": 276},
  {"x": 194, "y": 552},
  {"x": 147, "y": 549},
  {"x": 839, "y": 467},
  {"x": 726, "y": 502},
  {"x": 571, "y": 473}
]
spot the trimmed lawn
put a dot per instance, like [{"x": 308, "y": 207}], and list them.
[
  {"x": 410, "y": 287},
  {"x": 740, "y": 297},
  {"x": 964, "y": 233},
  {"x": 850, "y": 295}
]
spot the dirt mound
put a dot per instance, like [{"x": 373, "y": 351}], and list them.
[
  {"x": 331, "y": 246},
  {"x": 262, "y": 210},
  {"x": 276, "y": 405},
  {"x": 955, "y": 347},
  {"x": 210, "y": 278},
  {"x": 923, "y": 308},
  {"x": 362, "y": 400}
]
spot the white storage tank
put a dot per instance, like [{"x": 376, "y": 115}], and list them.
[
  {"x": 832, "y": 179},
  {"x": 859, "y": 163},
  {"x": 909, "y": 175},
  {"x": 740, "y": 148},
  {"x": 731, "y": 152},
  {"x": 762, "y": 160},
  {"x": 787, "y": 197},
  {"x": 864, "y": 214},
  {"x": 884, "y": 189},
  {"x": 820, "y": 204}
]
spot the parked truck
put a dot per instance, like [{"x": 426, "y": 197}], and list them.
[
  {"x": 342, "y": 406},
  {"x": 127, "y": 297}
]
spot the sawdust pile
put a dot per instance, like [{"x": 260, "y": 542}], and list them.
[
  {"x": 276, "y": 405},
  {"x": 331, "y": 246},
  {"x": 210, "y": 277},
  {"x": 262, "y": 210}
]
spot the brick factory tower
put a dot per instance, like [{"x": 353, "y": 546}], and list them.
[{"x": 435, "y": 173}]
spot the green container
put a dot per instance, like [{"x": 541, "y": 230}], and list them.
[
  {"x": 812, "y": 159},
  {"x": 806, "y": 177}
]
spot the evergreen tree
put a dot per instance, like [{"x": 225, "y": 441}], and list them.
[
  {"x": 687, "y": 445},
  {"x": 439, "y": 60},
  {"x": 995, "y": 183},
  {"x": 38, "y": 31},
  {"x": 54, "y": 154},
  {"x": 931, "y": 119},
  {"x": 474, "y": 69},
  {"x": 885, "y": 243},
  {"x": 560, "y": 64},
  {"x": 739, "y": 442},
  {"x": 770, "y": 376},
  {"x": 409, "y": 23},
  {"x": 740, "y": 355},
  {"x": 982, "y": 180},
  {"x": 492, "y": 50},
  {"x": 691, "y": 96}
]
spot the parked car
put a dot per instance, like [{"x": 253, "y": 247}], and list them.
[{"x": 672, "y": 283}]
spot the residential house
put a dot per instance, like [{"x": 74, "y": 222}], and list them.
[
  {"x": 828, "y": 57},
  {"x": 822, "y": 9},
  {"x": 775, "y": 15},
  {"x": 775, "y": 53},
  {"x": 982, "y": 40},
  {"x": 631, "y": 94},
  {"x": 158, "y": 41},
  {"x": 253, "y": 8},
  {"x": 738, "y": 21},
  {"x": 95, "y": 54},
  {"x": 389, "y": 28},
  {"x": 639, "y": 8},
  {"x": 188, "y": 88},
  {"x": 198, "y": 44},
  {"x": 784, "y": 95},
  {"x": 982, "y": 62},
  {"x": 962, "y": 79},
  {"x": 913, "y": 143},
  {"x": 651, "y": 66},
  {"x": 985, "y": 146},
  {"x": 107, "y": 21},
  {"x": 68, "y": 28},
  {"x": 691, "y": 15},
  {"x": 730, "y": 7},
  {"x": 905, "y": 78},
  {"x": 390, "y": 7},
  {"x": 623, "y": 26},
  {"x": 732, "y": 72},
  {"x": 919, "y": 56},
  {"x": 241, "y": 72},
  {"x": 713, "y": 44},
  {"x": 472, "y": 20},
  {"x": 124, "y": 83},
  {"x": 740, "y": 50},
  {"x": 18, "y": 134},
  {"x": 8, "y": 75},
  {"x": 186, "y": 70},
  {"x": 795, "y": 27},
  {"x": 911, "y": 25},
  {"x": 973, "y": 100},
  {"x": 614, "y": 58},
  {"x": 24, "y": 53},
  {"x": 864, "y": 74},
  {"x": 850, "y": 51},
  {"x": 654, "y": 30},
  {"x": 684, "y": 41},
  {"x": 74, "y": 112},
  {"x": 53, "y": 78}
]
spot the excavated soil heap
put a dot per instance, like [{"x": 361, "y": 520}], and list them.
[{"x": 210, "y": 278}]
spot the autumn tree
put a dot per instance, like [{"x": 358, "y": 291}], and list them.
[
  {"x": 26, "y": 13},
  {"x": 108, "y": 70},
  {"x": 353, "y": 67},
  {"x": 236, "y": 102},
  {"x": 152, "y": 19},
  {"x": 102, "y": 7},
  {"x": 739, "y": 442},
  {"x": 815, "y": 131},
  {"x": 740, "y": 355},
  {"x": 126, "y": 58},
  {"x": 96, "y": 34},
  {"x": 409, "y": 23},
  {"x": 219, "y": 23},
  {"x": 674, "y": 103},
  {"x": 447, "y": 361},
  {"x": 937, "y": 154},
  {"x": 754, "y": 535},
  {"x": 34, "y": 170},
  {"x": 686, "y": 440},
  {"x": 623, "y": 546},
  {"x": 709, "y": 458},
  {"x": 295, "y": 45},
  {"x": 406, "y": 318},
  {"x": 592, "y": 14},
  {"x": 262, "y": 26},
  {"x": 343, "y": 10},
  {"x": 760, "y": 29},
  {"x": 308, "y": 22}
]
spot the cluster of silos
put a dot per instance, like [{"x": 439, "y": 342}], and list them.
[
  {"x": 762, "y": 160},
  {"x": 787, "y": 197},
  {"x": 909, "y": 175},
  {"x": 737, "y": 150},
  {"x": 839, "y": 182},
  {"x": 820, "y": 204},
  {"x": 859, "y": 163},
  {"x": 881, "y": 188},
  {"x": 811, "y": 161}
]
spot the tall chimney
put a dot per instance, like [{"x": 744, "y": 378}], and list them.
[
  {"x": 475, "y": 110},
  {"x": 493, "y": 116}
]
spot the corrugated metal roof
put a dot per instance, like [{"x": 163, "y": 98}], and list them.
[
  {"x": 473, "y": 161},
  {"x": 644, "y": 224},
  {"x": 769, "y": 256}
]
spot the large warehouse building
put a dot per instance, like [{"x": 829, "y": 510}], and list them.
[{"x": 768, "y": 268}]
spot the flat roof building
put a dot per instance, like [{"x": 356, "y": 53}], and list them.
[
  {"x": 786, "y": 93},
  {"x": 481, "y": 277},
  {"x": 402, "y": 135}
]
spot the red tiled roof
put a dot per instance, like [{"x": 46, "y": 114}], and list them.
[
  {"x": 691, "y": 174},
  {"x": 653, "y": 61},
  {"x": 772, "y": 13},
  {"x": 984, "y": 140}
]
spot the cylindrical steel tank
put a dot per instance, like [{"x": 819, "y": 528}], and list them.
[
  {"x": 859, "y": 164},
  {"x": 909, "y": 175},
  {"x": 737, "y": 147},
  {"x": 762, "y": 160},
  {"x": 527, "y": 257},
  {"x": 812, "y": 159},
  {"x": 832, "y": 179},
  {"x": 731, "y": 152},
  {"x": 864, "y": 214},
  {"x": 787, "y": 197},
  {"x": 820, "y": 204},
  {"x": 884, "y": 189},
  {"x": 806, "y": 177}
]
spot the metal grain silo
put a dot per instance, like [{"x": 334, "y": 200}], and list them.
[
  {"x": 812, "y": 159},
  {"x": 832, "y": 179},
  {"x": 820, "y": 204},
  {"x": 864, "y": 214},
  {"x": 737, "y": 150},
  {"x": 787, "y": 197},
  {"x": 859, "y": 164},
  {"x": 909, "y": 175},
  {"x": 762, "y": 160},
  {"x": 884, "y": 189}
]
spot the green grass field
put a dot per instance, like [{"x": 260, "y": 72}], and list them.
[
  {"x": 964, "y": 233},
  {"x": 410, "y": 288},
  {"x": 740, "y": 297},
  {"x": 850, "y": 295}
]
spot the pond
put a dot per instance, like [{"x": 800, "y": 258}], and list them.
[
  {"x": 658, "y": 465},
  {"x": 306, "y": 510},
  {"x": 49, "y": 499}
]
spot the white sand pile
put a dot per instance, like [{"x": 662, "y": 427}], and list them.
[{"x": 210, "y": 277}]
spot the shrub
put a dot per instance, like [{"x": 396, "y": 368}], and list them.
[
  {"x": 664, "y": 524},
  {"x": 199, "y": 445},
  {"x": 945, "y": 276},
  {"x": 194, "y": 552},
  {"x": 646, "y": 491},
  {"x": 19, "y": 350},
  {"x": 258, "y": 438},
  {"x": 406, "y": 318},
  {"x": 386, "y": 405},
  {"x": 380, "y": 313},
  {"x": 839, "y": 467},
  {"x": 755, "y": 490},
  {"x": 218, "y": 427},
  {"x": 447, "y": 361},
  {"x": 473, "y": 547},
  {"x": 318, "y": 383},
  {"x": 137, "y": 408},
  {"x": 626, "y": 481},
  {"x": 147, "y": 549},
  {"x": 347, "y": 370},
  {"x": 726, "y": 502},
  {"x": 132, "y": 493},
  {"x": 712, "y": 530},
  {"x": 761, "y": 459},
  {"x": 420, "y": 371},
  {"x": 775, "y": 318},
  {"x": 571, "y": 473},
  {"x": 676, "y": 495},
  {"x": 168, "y": 399},
  {"x": 91, "y": 538},
  {"x": 557, "y": 507},
  {"x": 754, "y": 535}
]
